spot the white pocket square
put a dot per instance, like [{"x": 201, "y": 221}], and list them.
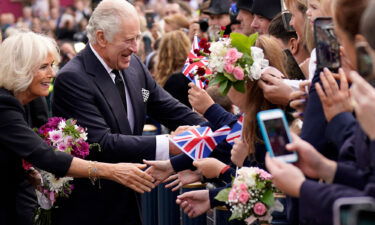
[{"x": 145, "y": 94}]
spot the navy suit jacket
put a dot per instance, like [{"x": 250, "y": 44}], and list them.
[
  {"x": 18, "y": 141},
  {"x": 85, "y": 91}
]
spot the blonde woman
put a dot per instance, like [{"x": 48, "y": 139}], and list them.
[
  {"x": 172, "y": 53},
  {"x": 26, "y": 72}
]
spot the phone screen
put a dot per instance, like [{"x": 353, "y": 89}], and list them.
[
  {"x": 327, "y": 47},
  {"x": 292, "y": 67},
  {"x": 150, "y": 19},
  {"x": 277, "y": 135},
  {"x": 286, "y": 16}
]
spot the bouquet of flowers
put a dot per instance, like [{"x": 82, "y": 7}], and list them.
[
  {"x": 66, "y": 136},
  {"x": 232, "y": 61},
  {"x": 251, "y": 197}
]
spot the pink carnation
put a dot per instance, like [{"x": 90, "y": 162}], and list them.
[
  {"x": 232, "y": 56},
  {"x": 238, "y": 73},
  {"x": 233, "y": 194},
  {"x": 228, "y": 68},
  {"x": 259, "y": 209},
  {"x": 263, "y": 174}
]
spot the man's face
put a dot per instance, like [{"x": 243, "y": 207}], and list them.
[
  {"x": 245, "y": 18},
  {"x": 171, "y": 9},
  {"x": 117, "y": 53},
  {"x": 219, "y": 20},
  {"x": 260, "y": 24}
]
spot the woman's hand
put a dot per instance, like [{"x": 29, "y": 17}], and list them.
[
  {"x": 182, "y": 178},
  {"x": 194, "y": 203},
  {"x": 160, "y": 170},
  {"x": 131, "y": 175},
  {"x": 239, "y": 152},
  {"x": 209, "y": 167},
  {"x": 199, "y": 99},
  {"x": 363, "y": 98},
  {"x": 334, "y": 99}
]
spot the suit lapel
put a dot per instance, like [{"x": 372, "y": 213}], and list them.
[
  {"x": 135, "y": 92},
  {"x": 107, "y": 87}
]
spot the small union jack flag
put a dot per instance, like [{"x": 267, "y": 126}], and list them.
[
  {"x": 236, "y": 131},
  {"x": 190, "y": 69},
  {"x": 198, "y": 143}
]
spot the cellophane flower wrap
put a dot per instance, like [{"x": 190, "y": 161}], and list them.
[
  {"x": 65, "y": 136},
  {"x": 251, "y": 197},
  {"x": 232, "y": 61}
]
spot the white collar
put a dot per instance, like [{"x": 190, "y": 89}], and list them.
[{"x": 106, "y": 67}]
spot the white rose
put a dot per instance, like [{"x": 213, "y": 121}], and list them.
[
  {"x": 257, "y": 53},
  {"x": 255, "y": 71}
]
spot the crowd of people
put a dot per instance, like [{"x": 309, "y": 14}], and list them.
[{"x": 115, "y": 65}]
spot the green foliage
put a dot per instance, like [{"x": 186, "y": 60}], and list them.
[
  {"x": 235, "y": 216},
  {"x": 239, "y": 86},
  {"x": 268, "y": 198},
  {"x": 223, "y": 195},
  {"x": 243, "y": 42},
  {"x": 217, "y": 79},
  {"x": 224, "y": 87}
]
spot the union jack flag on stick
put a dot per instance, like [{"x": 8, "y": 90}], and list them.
[
  {"x": 236, "y": 131},
  {"x": 198, "y": 143},
  {"x": 197, "y": 63}
]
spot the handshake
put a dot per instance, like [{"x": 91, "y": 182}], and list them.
[{"x": 141, "y": 180}]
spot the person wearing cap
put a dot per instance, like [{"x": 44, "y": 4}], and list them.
[
  {"x": 219, "y": 15},
  {"x": 245, "y": 16},
  {"x": 264, "y": 11}
]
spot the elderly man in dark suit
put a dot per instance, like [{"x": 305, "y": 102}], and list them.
[{"x": 109, "y": 91}]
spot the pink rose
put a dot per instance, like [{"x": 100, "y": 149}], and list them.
[
  {"x": 232, "y": 194},
  {"x": 228, "y": 68},
  {"x": 232, "y": 55},
  {"x": 259, "y": 209},
  {"x": 244, "y": 197},
  {"x": 238, "y": 73}
]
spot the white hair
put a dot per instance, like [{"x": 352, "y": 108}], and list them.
[
  {"x": 107, "y": 16},
  {"x": 21, "y": 55}
]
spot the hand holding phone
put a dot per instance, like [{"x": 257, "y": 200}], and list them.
[{"x": 276, "y": 134}]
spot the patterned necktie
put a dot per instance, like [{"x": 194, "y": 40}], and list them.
[{"x": 120, "y": 87}]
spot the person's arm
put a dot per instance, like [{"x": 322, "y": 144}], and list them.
[
  {"x": 219, "y": 117},
  {"x": 340, "y": 128},
  {"x": 17, "y": 137},
  {"x": 316, "y": 200}
]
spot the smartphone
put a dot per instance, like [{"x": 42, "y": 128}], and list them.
[
  {"x": 276, "y": 134},
  {"x": 150, "y": 19},
  {"x": 364, "y": 61},
  {"x": 292, "y": 67},
  {"x": 327, "y": 46},
  {"x": 347, "y": 211},
  {"x": 286, "y": 16}
]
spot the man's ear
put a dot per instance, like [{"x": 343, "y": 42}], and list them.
[
  {"x": 100, "y": 38},
  {"x": 293, "y": 46}
]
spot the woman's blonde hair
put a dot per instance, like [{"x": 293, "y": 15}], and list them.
[
  {"x": 172, "y": 53},
  {"x": 21, "y": 55},
  {"x": 255, "y": 100}
]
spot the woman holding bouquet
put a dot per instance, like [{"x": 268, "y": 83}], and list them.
[{"x": 26, "y": 71}]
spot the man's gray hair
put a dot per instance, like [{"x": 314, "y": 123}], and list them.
[{"x": 107, "y": 17}]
